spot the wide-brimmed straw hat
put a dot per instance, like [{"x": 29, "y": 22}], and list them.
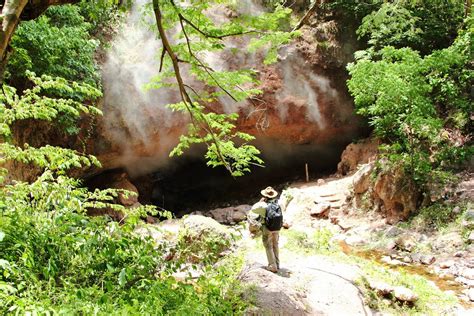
[{"x": 269, "y": 192}]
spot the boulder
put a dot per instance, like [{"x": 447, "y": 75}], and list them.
[
  {"x": 393, "y": 231},
  {"x": 396, "y": 194},
  {"x": 470, "y": 238},
  {"x": 381, "y": 288},
  {"x": 406, "y": 243},
  {"x": 230, "y": 215},
  {"x": 320, "y": 210},
  {"x": 470, "y": 294},
  {"x": 197, "y": 226},
  {"x": 357, "y": 153},
  {"x": 361, "y": 179},
  {"x": 122, "y": 181},
  {"x": 467, "y": 273},
  {"x": 203, "y": 238},
  {"x": 427, "y": 259},
  {"x": 405, "y": 295},
  {"x": 446, "y": 264}
]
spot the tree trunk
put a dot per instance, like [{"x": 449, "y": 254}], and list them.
[{"x": 9, "y": 18}]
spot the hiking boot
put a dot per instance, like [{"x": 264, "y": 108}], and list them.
[{"x": 272, "y": 269}]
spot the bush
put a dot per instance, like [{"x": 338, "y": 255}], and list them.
[
  {"x": 418, "y": 106},
  {"x": 57, "y": 43},
  {"x": 56, "y": 260}
]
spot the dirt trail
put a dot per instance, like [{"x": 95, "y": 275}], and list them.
[{"x": 314, "y": 285}]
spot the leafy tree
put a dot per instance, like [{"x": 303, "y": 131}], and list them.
[
  {"x": 419, "y": 106},
  {"x": 422, "y": 25},
  {"x": 419, "y": 24},
  {"x": 57, "y": 43},
  {"x": 46, "y": 238}
]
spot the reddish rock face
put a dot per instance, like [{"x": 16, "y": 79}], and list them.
[{"x": 304, "y": 99}]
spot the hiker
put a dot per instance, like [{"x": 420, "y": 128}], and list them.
[{"x": 270, "y": 215}]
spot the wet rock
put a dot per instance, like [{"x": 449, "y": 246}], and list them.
[
  {"x": 445, "y": 275},
  {"x": 320, "y": 210},
  {"x": 392, "y": 262},
  {"x": 446, "y": 264},
  {"x": 405, "y": 295},
  {"x": 381, "y": 288}
]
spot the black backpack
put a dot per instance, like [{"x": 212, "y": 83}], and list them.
[{"x": 273, "y": 216}]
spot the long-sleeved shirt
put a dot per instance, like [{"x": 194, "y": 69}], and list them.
[{"x": 260, "y": 208}]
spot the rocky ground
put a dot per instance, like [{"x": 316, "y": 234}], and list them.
[{"x": 317, "y": 284}]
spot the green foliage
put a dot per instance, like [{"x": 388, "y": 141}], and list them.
[
  {"x": 431, "y": 300},
  {"x": 54, "y": 259},
  {"x": 199, "y": 36},
  {"x": 354, "y": 9},
  {"x": 58, "y": 43},
  {"x": 319, "y": 242},
  {"x": 438, "y": 216},
  {"x": 419, "y": 24},
  {"x": 49, "y": 99},
  {"x": 418, "y": 106},
  {"x": 392, "y": 25}
]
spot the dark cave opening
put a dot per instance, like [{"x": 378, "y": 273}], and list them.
[
  {"x": 186, "y": 184},
  {"x": 189, "y": 185}
]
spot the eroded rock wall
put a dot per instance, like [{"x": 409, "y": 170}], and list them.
[{"x": 304, "y": 98}]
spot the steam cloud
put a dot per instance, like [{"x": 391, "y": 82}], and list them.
[{"x": 138, "y": 123}]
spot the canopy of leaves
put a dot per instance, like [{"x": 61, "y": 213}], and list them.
[
  {"x": 58, "y": 43},
  {"x": 46, "y": 237},
  {"x": 422, "y": 25},
  {"x": 421, "y": 107}
]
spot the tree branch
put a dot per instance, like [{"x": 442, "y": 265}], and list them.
[
  {"x": 206, "y": 68},
  {"x": 182, "y": 89},
  {"x": 308, "y": 14}
]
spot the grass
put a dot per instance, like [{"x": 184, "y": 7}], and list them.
[
  {"x": 320, "y": 242},
  {"x": 431, "y": 300}
]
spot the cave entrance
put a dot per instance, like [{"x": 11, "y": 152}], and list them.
[{"x": 188, "y": 185}]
